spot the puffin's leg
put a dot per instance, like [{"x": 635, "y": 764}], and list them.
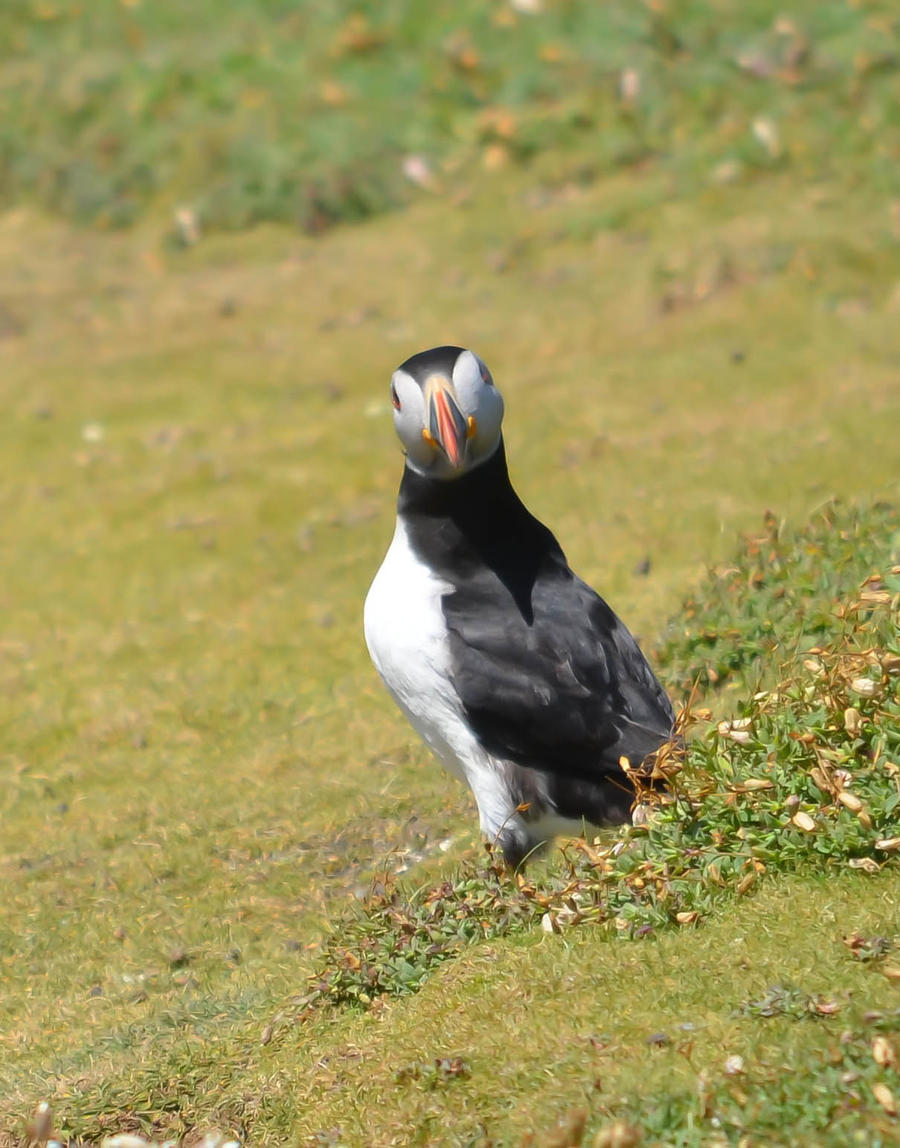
[{"x": 499, "y": 810}]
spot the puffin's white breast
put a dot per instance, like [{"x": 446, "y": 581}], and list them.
[
  {"x": 407, "y": 639},
  {"x": 406, "y": 633}
]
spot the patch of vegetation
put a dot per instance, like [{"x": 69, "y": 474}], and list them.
[
  {"x": 791, "y": 1001},
  {"x": 398, "y": 939},
  {"x": 311, "y": 114},
  {"x": 435, "y": 1073},
  {"x": 868, "y": 949},
  {"x": 778, "y": 597},
  {"x": 819, "y": 1099},
  {"x": 806, "y": 778}
]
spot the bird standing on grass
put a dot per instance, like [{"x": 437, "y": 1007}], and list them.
[{"x": 519, "y": 677}]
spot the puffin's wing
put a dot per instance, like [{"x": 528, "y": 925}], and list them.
[{"x": 561, "y": 687}]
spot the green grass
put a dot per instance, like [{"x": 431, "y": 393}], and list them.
[
  {"x": 803, "y": 780},
  {"x": 548, "y": 1024},
  {"x": 776, "y": 598},
  {"x": 305, "y": 113},
  {"x": 199, "y": 772}
]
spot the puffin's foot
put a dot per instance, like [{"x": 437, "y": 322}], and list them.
[{"x": 519, "y": 846}]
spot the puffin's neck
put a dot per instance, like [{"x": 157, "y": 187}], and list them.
[
  {"x": 461, "y": 527},
  {"x": 484, "y": 494}
]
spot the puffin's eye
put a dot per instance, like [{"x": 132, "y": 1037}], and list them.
[
  {"x": 486, "y": 375},
  {"x": 395, "y": 398}
]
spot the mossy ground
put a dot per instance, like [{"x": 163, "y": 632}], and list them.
[{"x": 199, "y": 769}]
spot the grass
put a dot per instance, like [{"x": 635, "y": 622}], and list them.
[
  {"x": 200, "y": 773},
  {"x": 803, "y": 780},
  {"x": 776, "y": 599},
  {"x": 644, "y": 1027},
  {"x": 641, "y": 1024},
  {"x": 311, "y": 114}
]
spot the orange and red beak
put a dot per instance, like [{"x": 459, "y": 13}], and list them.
[{"x": 448, "y": 428}]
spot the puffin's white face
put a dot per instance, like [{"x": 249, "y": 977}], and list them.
[{"x": 447, "y": 411}]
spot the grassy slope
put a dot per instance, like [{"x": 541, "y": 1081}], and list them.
[
  {"x": 197, "y": 764},
  {"x": 731, "y": 824},
  {"x": 192, "y": 730},
  {"x": 523, "y": 1015}
]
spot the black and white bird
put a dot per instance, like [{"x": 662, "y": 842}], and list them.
[{"x": 517, "y": 675}]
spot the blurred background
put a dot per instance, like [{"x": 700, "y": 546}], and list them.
[
  {"x": 248, "y": 111},
  {"x": 672, "y": 228}
]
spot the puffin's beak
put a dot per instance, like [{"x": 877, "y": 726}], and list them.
[{"x": 447, "y": 427}]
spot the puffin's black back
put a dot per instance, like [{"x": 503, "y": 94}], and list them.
[{"x": 548, "y": 676}]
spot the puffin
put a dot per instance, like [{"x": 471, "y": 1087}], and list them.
[{"x": 517, "y": 675}]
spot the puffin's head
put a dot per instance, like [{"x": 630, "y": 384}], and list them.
[{"x": 447, "y": 411}]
